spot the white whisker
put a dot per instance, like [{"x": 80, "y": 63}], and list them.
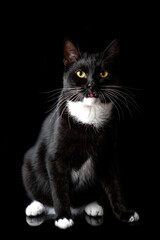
[
  {"x": 70, "y": 95},
  {"x": 116, "y": 104},
  {"x": 121, "y": 95},
  {"x": 119, "y": 100}
]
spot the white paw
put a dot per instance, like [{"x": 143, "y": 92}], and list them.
[
  {"x": 64, "y": 223},
  {"x": 35, "y": 208},
  {"x": 134, "y": 218},
  {"x": 94, "y": 209}
]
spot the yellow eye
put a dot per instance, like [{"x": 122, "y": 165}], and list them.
[
  {"x": 103, "y": 74},
  {"x": 80, "y": 74}
]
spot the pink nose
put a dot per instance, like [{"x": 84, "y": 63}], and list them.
[{"x": 91, "y": 95}]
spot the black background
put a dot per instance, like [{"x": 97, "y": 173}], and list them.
[{"x": 33, "y": 64}]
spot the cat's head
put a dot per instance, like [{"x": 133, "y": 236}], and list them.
[{"x": 87, "y": 76}]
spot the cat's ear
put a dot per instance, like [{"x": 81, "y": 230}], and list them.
[
  {"x": 112, "y": 50},
  {"x": 71, "y": 53}
]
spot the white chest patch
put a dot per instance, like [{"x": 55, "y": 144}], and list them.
[
  {"x": 84, "y": 174},
  {"x": 90, "y": 111}
]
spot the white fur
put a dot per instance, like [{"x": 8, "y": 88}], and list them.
[
  {"x": 85, "y": 173},
  {"x": 94, "y": 209},
  {"x": 134, "y": 218},
  {"x": 90, "y": 111},
  {"x": 35, "y": 208},
  {"x": 64, "y": 223}
]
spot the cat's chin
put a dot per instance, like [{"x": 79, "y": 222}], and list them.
[{"x": 90, "y": 101}]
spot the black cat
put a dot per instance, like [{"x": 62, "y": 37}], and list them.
[{"x": 73, "y": 162}]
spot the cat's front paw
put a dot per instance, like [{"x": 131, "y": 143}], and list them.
[
  {"x": 34, "y": 209},
  {"x": 64, "y": 223}
]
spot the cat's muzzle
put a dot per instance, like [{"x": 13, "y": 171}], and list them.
[{"x": 92, "y": 94}]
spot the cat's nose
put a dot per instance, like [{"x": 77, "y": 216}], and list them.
[
  {"x": 92, "y": 90},
  {"x": 89, "y": 85}
]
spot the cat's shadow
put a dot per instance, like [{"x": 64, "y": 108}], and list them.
[{"x": 38, "y": 220}]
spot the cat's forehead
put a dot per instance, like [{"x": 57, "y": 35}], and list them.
[{"x": 89, "y": 61}]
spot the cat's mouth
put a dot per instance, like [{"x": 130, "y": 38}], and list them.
[
  {"x": 91, "y": 99},
  {"x": 92, "y": 95}
]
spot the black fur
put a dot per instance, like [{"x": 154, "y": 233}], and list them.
[{"x": 65, "y": 144}]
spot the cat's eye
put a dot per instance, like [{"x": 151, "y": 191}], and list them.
[
  {"x": 80, "y": 74},
  {"x": 103, "y": 74}
]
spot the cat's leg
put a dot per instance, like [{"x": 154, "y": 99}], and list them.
[
  {"x": 113, "y": 190},
  {"x": 59, "y": 186},
  {"x": 94, "y": 209}
]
